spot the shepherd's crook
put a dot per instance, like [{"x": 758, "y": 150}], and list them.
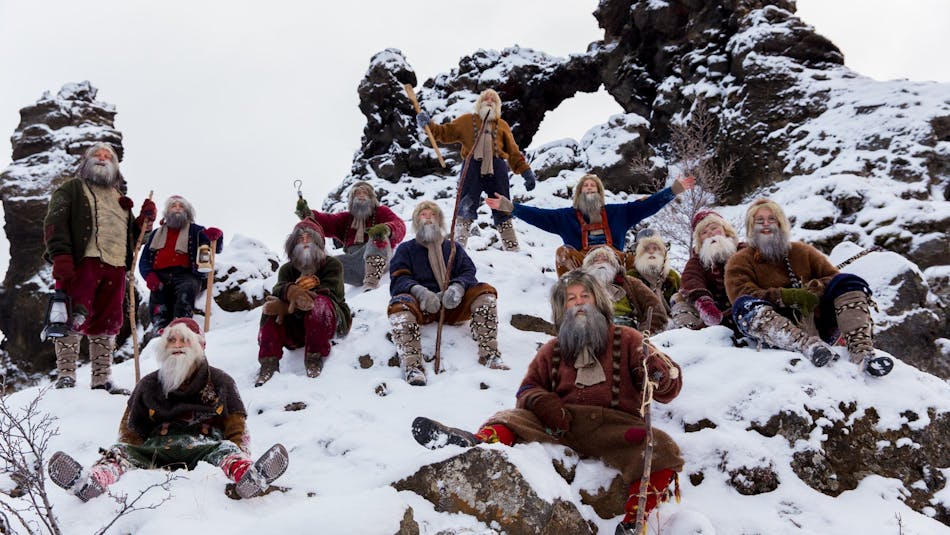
[
  {"x": 415, "y": 104},
  {"x": 132, "y": 323}
]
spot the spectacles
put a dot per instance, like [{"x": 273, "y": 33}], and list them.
[{"x": 761, "y": 221}]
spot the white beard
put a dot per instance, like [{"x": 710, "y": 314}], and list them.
[
  {"x": 307, "y": 257},
  {"x": 489, "y": 109},
  {"x": 773, "y": 247},
  {"x": 99, "y": 173},
  {"x": 428, "y": 234},
  {"x": 603, "y": 273},
  {"x": 717, "y": 250},
  {"x": 176, "y": 368},
  {"x": 650, "y": 266}
]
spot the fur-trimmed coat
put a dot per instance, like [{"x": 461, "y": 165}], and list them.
[
  {"x": 699, "y": 281},
  {"x": 747, "y": 273},
  {"x": 195, "y": 239},
  {"x": 641, "y": 298},
  {"x": 410, "y": 266},
  {"x": 339, "y": 226},
  {"x": 463, "y": 130},
  {"x": 331, "y": 285}
]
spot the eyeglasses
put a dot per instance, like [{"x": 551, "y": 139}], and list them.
[{"x": 761, "y": 221}]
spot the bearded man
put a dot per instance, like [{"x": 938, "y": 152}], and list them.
[
  {"x": 306, "y": 307},
  {"x": 422, "y": 284},
  {"x": 652, "y": 266},
  {"x": 788, "y": 295},
  {"x": 633, "y": 302},
  {"x": 169, "y": 262},
  {"x": 487, "y": 171},
  {"x": 584, "y": 390},
  {"x": 89, "y": 232},
  {"x": 702, "y": 300},
  {"x": 369, "y": 232},
  {"x": 591, "y": 222},
  {"x": 182, "y": 413}
]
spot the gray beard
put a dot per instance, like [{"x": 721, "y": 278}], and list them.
[
  {"x": 176, "y": 219},
  {"x": 603, "y": 273},
  {"x": 647, "y": 267},
  {"x": 306, "y": 258},
  {"x": 175, "y": 370},
  {"x": 577, "y": 332},
  {"x": 429, "y": 234},
  {"x": 103, "y": 174},
  {"x": 361, "y": 210},
  {"x": 774, "y": 247},
  {"x": 716, "y": 250},
  {"x": 590, "y": 204}
]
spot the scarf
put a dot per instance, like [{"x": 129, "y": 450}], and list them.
[
  {"x": 484, "y": 150},
  {"x": 437, "y": 263},
  {"x": 589, "y": 370},
  {"x": 161, "y": 235},
  {"x": 359, "y": 225}
]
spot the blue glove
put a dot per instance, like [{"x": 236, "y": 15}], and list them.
[
  {"x": 529, "y": 179},
  {"x": 452, "y": 296},
  {"x": 422, "y": 119}
]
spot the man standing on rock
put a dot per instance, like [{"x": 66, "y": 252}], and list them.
[
  {"x": 487, "y": 170},
  {"x": 169, "y": 262},
  {"x": 183, "y": 413},
  {"x": 90, "y": 235},
  {"x": 369, "y": 232},
  {"x": 590, "y": 222},
  {"x": 788, "y": 295},
  {"x": 584, "y": 390},
  {"x": 419, "y": 290},
  {"x": 306, "y": 307}
]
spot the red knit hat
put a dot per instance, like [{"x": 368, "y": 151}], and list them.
[
  {"x": 191, "y": 324},
  {"x": 700, "y": 215}
]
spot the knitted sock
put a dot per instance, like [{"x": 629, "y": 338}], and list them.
[
  {"x": 656, "y": 493},
  {"x": 491, "y": 434}
]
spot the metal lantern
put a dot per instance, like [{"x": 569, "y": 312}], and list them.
[
  {"x": 57, "y": 316},
  {"x": 204, "y": 258}
]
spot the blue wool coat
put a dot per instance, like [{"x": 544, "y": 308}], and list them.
[{"x": 410, "y": 266}]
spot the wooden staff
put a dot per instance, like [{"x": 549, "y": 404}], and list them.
[
  {"x": 132, "y": 320},
  {"x": 865, "y": 252},
  {"x": 640, "y": 526},
  {"x": 415, "y": 104},
  {"x": 214, "y": 246}
]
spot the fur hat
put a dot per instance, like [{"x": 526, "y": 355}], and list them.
[
  {"x": 366, "y": 186},
  {"x": 305, "y": 225},
  {"x": 704, "y": 218},
  {"x": 580, "y": 183},
  {"x": 189, "y": 324},
  {"x": 189, "y": 209},
  {"x": 431, "y": 205},
  {"x": 648, "y": 235},
  {"x": 777, "y": 212},
  {"x": 602, "y": 250}
]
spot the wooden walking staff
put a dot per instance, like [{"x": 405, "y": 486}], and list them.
[
  {"x": 415, "y": 104},
  {"x": 448, "y": 264},
  {"x": 132, "y": 320},
  {"x": 214, "y": 247},
  {"x": 648, "y": 384}
]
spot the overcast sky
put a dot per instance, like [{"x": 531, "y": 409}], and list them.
[{"x": 228, "y": 101}]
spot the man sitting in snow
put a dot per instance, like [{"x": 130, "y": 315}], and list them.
[
  {"x": 185, "y": 412},
  {"x": 652, "y": 266},
  {"x": 487, "y": 171},
  {"x": 169, "y": 262},
  {"x": 590, "y": 222},
  {"x": 702, "y": 300},
  {"x": 306, "y": 306},
  {"x": 632, "y": 300},
  {"x": 369, "y": 232},
  {"x": 584, "y": 390},
  {"x": 786, "y": 294},
  {"x": 420, "y": 287}
]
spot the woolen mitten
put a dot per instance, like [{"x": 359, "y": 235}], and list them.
[
  {"x": 453, "y": 296},
  {"x": 422, "y": 119},
  {"x": 153, "y": 282},
  {"x": 799, "y": 298},
  {"x": 274, "y": 307},
  {"x": 551, "y": 411},
  {"x": 308, "y": 282},
  {"x": 299, "y": 298},
  {"x": 212, "y": 233},
  {"x": 708, "y": 312},
  {"x": 303, "y": 210},
  {"x": 529, "y": 179},
  {"x": 146, "y": 214},
  {"x": 428, "y": 300},
  {"x": 378, "y": 231},
  {"x": 64, "y": 270}
]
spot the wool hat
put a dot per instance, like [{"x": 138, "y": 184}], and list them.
[
  {"x": 776, "y": 210},
  {"x": 190, "y": 324},
  {"x": 648, "y": 235},
  {"x": 189, "y": 208},
  {"x": 431, "y": 205},
  {"x": 704, "y": 218},
  {"x": 310, "y": 226}
]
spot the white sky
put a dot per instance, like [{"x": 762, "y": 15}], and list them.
[{"x": 216, "y": 97}]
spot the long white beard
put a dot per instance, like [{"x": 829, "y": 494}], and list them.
[
  {"x": 177, "y": 368},
  {"x": 489, "y": 109},
  {"x": 102, "y": 173},
  {"x": 603, "y": 273},
  {"x": 773, "y": 247},
  {"x": 717, "y": 250},
  {"x": 428, "y": 234},
  {"x": 307, "y": 257},
  {"x": 649, "y": 265},
  {"x": 579, "y": 330},
  {"x": 590, "y": 204}
]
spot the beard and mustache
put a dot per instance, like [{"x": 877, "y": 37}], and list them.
[
  {"x": 361, "y": 208},
  {"x": 489, "y": 110},
  {"x": 99, "y": 172},
  {"x": 177, "y": 365},
  {"x": 583, "y": 326},
  {"x": 716, "y": 250},
  {"x": 589, "y": 204},
  {"x": 306, "y": 257},
  {"x": 773, "y": 247},
  {"x": 603, "y": 272},
  {"x": 428, "y": 233},
  {"x": 650, "y": 265},
  {"x": 176, "y": 219}
]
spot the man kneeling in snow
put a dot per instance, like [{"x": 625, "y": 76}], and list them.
[
  {"x": 584, "y": 390},
  {"x": 185, "y": 412}
]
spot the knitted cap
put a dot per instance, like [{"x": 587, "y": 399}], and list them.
[
  {"x": 190, "y": 324},
  {"x": 703, "y": 219}
]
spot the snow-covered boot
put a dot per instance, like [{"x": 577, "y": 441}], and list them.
[
  {"x": 67, "y": 355},
  {"x": 269, "y": 366},
  {"x": 484, "y": 325},
  {"x": 408, "y": 341},
  {"x": 375, "y": 267},
  {"x": 67, "y": 473},
  {"x": 435, "y": 435},
  {"x": 463, "y": 229},
  {"x": 313, "y": 363},
  {"x": 773, "y": 329},
  {"x": 268, "y": 468},
  {"x": 853, "y": 313},
  {"x": 509, "y": 240},
  {"x": 100, "y": 355}
]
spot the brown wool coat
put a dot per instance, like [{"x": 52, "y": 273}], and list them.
[
  {"x": 597, "y": 430},
  {"x": 747, "y": 273},
  {"x": 463, "y": 129},
  {"x": 642, "y": 299},
  {"x": 699, "y": 281}
]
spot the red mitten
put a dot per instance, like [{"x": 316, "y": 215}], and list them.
[
  {"x": 64, "y": 270},
  {"x": 708, "y": 312},
  {"x": 153, "y": 282},
  {"x": 551, "y": 411},
  {"x": 212, "y": 233},
  {"x": 146, "y": 214}
]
